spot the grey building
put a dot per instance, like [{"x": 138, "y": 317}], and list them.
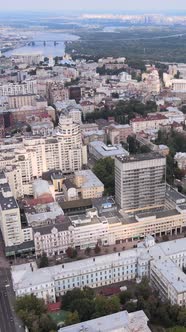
[{"x": 140, "y": 181}]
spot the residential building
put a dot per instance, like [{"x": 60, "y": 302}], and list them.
[
  {"x": 151, "y": 122},
  {"x": 140, "y": 181},
  {"x": 179, "y": 85},
  {"x": 25, "y": 88},
  {"x": 118, "y": 133},
  {"x": 28, "y": 58},
  {"x": 10, "y": 220},
  {"x": 18, "y": 101},
  {"x": 42, "y": 128},
  {"x": 72, "y": 154}
]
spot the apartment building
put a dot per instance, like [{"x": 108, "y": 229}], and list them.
[
  {"x": 10, "y": 220},
  {"x": 118, "y": 133},
  {"x": 18, "y": 101},
  {"x": 179, "y": 85},
  {"x": 140, "y": 181},
  {"x": 146, "y": 260},
  {"x": 72, "y": 154},
  {"x": 151, "y": 122},
  {"x": 13, "y": 89}
]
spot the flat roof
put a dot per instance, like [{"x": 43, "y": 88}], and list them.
[
  {"x": 172, "y": 273},
  {"x": 140, "y": 157},
  {"x": 76, "y": 204},
  {"x": 8, "y": 203},
  {"x": 90, "y": 179},
  {"x": 108, "y": 151},
  {"x": 135, "y": 321}
]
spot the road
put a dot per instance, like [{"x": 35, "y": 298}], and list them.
[{"x": 8, "y": 320}]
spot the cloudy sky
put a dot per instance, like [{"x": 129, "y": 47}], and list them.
[{"x": 96, "y": 5}]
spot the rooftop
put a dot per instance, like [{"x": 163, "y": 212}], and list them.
[
  {"x": 172, "y": 273},
  {"x": 107, "y": 151},
  {"x": 7, "y": 203},
  {"x": 89, "y": 179},
  {"x": 140, "y": 157},
  {"x": 121, "y": 321}
]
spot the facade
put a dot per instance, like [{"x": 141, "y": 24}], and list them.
[
  {"x": 25, "y": 88},
  {"x": 10, "y": 220},
  {"x": 119, "y": 322},
  {"x": 146, "y": 260},
  {"x": 36, "y": 155},
  {"x": 140, "y": 181},
  {"x": 71, "y": 153},
  {"x": 119, "y": 133},
  {"x": 18, "y": 101},
  {"x": 153, "y": 122},
  {"x": 30, "y": 59},
  {"x": 86, "y": 230},
  {"x": 179, "y": 85},
  {"x": 42, "y": 128}
]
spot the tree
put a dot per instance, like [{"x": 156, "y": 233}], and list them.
[
  {"x": 71, "y": 252},
  {"x": 97, "y": 249},
  {"x": 143, "y": 289},
  {"x": 33, "y": 312},
  {"x": 72, "y": 318},
  {"x": 106, "y": 306},
  {"x": 76, "y": 293},
  {"x": 125, "y": 296},
  {"x": 88, "y": 251},
  {"x": 182, "y": 317},
  {"x": 43, "y": 260},
  {"x": 85, "y": 308},
  {"x": 104, "y": 170}
]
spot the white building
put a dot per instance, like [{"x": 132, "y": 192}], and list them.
[
  {"x": 100, "y": 150},
  {"x": 25, "y": 88},
  {"x": 179, "y": 85},
  {"x": 119, "y": 322},
  {"x": 180, "y": 158},
  {"x": 10, "y": 220},
  {"x": 149, "y": 259}
]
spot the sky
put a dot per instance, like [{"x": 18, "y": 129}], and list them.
[{"x": 96, "y": 5}]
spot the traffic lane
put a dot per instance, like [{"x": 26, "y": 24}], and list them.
[{"x": 6, "y": 318}]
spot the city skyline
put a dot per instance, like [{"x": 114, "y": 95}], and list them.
[{"x": 83, "y": 5}]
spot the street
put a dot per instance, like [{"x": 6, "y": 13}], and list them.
[{"x": 8, "y": 320}]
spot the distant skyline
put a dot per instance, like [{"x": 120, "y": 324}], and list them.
[{"x": 95, "y": 5}]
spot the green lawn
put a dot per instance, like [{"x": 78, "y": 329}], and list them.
[{"x": 59, "y": 316}]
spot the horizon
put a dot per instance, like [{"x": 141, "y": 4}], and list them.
[{"x": 97, "y": 5}]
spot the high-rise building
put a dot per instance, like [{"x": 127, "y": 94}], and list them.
[
  {"x": 10, "y": 220},
  {"x": 140, "y": 181},
  {"x": 70, "y": 145}
]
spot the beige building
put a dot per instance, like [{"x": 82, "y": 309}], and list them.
[
  {"x": 118, "y": 133},
  {"x": 18, "y": 101},
  {"x": 140, "y": 181},
  {"x": 151, "y": 122},
  {"x": 89, "y": 186}
]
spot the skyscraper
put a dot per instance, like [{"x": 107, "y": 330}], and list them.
[{"x": 140, "y": 181}]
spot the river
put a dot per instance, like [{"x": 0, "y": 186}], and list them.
[{"x": 49, "y": 49}]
